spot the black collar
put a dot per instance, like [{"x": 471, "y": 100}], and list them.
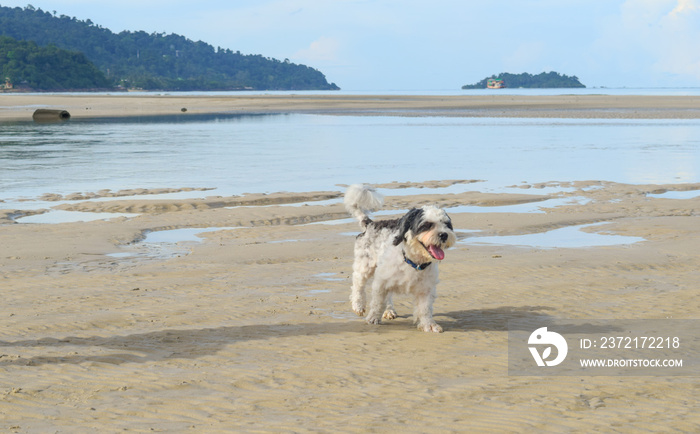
[{"x": 420, "y": 267}]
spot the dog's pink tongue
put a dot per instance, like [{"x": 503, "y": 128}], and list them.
[{"x": 437, "y": 252}]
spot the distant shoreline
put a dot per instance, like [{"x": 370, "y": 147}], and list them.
[{"x": 18, "y": 107}]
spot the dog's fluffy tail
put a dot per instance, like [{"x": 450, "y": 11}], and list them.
[{"x": 360, "y": 200}]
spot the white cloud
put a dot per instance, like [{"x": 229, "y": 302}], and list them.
[
  {"x": 678, "y": 36},
  {"x": 685, "y": 6},
  {"x": 650, "y": 42},
  {"x": 667, "y": 33}
]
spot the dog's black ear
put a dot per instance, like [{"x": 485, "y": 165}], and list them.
[
  {"x": 405, "y": 224},
  {"x": 449, "y": 222}
]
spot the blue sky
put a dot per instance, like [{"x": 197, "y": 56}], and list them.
[{"x": 431, "y": 45}]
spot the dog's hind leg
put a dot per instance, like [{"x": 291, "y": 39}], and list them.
[
  {"x": 379, "y": 297},
  {"x": 362, "y": 272}
]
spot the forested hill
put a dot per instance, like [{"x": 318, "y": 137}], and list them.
[
  {"x": 158, "y": 61},
  {"x": 542, "y": 80},
  {"x": 26, "y": 65}
]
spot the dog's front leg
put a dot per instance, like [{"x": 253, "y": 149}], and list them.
[
  {"x": 389, "y": 312},
  {"x": 423, "y": 312}
]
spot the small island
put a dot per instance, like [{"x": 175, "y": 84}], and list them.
[{"x": 525, "y": 80}]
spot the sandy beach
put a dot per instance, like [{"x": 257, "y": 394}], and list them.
[
  {"x": 21, "y": 106},
  {"x": 250, "y": 329}
]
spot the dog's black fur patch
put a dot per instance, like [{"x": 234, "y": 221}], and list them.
[
  {"x": 410, "y": 221},
  {"x": 392, "y": 224}
]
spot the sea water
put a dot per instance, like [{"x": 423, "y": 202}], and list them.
[
  {"x": 235, "y": 154},
  {"x": 302, "y": 152}
]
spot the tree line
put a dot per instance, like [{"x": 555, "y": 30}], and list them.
[{"x": 136, "y": 59}]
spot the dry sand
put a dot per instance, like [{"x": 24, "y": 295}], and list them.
[
  {"x": 21, "y": 106},
  {"x": 251, "y": 329}
]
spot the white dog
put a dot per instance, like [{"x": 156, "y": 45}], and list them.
[{"x": 401, "y": 254}]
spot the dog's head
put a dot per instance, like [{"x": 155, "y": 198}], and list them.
[{"x": 427, "y": 231}]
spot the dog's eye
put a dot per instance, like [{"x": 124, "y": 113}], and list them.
[
  {"x": 426, "y": 227},
  {"x": 449, "y": 225}
]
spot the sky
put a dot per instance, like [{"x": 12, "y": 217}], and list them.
[{"x": 431, "y": 45}]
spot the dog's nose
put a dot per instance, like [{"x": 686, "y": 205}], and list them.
[{"x": 443, "y": 236}]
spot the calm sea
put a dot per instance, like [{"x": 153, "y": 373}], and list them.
[{"x": 269, "y": 153}]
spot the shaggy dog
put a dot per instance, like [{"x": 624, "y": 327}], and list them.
[{"x": 402, "y": 255}]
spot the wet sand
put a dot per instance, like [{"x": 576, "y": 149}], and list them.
[
  {"x": 20, "y": 106},
  {"x": 251, "y": 329}
]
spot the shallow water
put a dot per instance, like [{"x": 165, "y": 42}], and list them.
[
  {"x": 269, "y": 153},
  {"x": 168, "y": 243},
  {"x": 165, "y": 244},
  {"x": 567, "y": 237},
  {"x": 183, "y": 235},
  {"x": 677, "y": 194}
]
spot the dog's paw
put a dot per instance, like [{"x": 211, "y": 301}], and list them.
[
  {"x": 358, "y": 307},
  {"x": 433, "y": 327},
  {"x": 389, "y": 314},
  {"x": 373, "y": 319}
]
